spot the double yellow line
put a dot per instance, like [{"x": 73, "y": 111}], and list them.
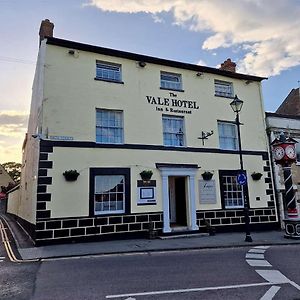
[{"x": 8, "y": 248}]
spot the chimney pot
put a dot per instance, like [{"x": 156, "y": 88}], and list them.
[
  {"x": 228, "y": 65},
  {"x": 46, "y": 29}
]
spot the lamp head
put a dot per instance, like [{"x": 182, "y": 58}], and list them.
[{"x": 236, "y": 104}]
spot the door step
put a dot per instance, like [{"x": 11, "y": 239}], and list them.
[{"x": 183, "y": 235}]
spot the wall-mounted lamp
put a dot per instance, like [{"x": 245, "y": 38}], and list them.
[
  {"x": 248, "y": 81},
  {"x": 199, "y": 74},
  {"x": 142, "y": 64},
  {"x": 74, "y": 53}
]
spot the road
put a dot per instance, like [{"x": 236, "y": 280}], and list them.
[{"x": 231, "y": 273}]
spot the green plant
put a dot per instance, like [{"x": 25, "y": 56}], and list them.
[
  {"x": 146, "y": 175},
  {"x": 71, "y": 175}
]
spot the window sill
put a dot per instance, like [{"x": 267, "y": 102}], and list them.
[
  {"x": 101, "y": 143},
  {"x": 108, "y": 80},
  {"x": 112, "y": 213},
  {"x": 171, "y": 89},
  {"x": 227, "y": 97}
]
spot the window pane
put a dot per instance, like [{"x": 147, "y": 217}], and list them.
[
  {"x": 233, "y": 195},
  {"x": 108, "y": 71},
  {"x": 173, "y": 131},
  {"x": 223, "y": 88},
  {"x": 170, "y": 81},
  {"x": 227, "y": 136},
  {"x": 109, "y": 126},
  {"x": 109, "y": 193}
]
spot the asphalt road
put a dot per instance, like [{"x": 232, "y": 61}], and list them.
[{"x": 197, "y": 274}]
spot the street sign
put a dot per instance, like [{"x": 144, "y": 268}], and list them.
[{"x": 241, "y": 178}]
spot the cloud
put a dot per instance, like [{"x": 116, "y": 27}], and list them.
[
  {"x": 13, "y": 123},
  {"x": 268, "y": 31},
  {"x": 201, "y": 63}
]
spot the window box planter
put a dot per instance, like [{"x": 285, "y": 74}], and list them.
[
  {"x": 146, "y": 175},
  {"x": 71, "y": 175},
  {"x": 207, "y": 175},
  {"x": 256, "y": 176}
]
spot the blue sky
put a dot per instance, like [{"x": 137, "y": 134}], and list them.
[{"x": 263, "y": 39}]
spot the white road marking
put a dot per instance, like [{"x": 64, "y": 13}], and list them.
[
  {"x": 2, "y": 257},
  {"x": 294, "y": 284},
  {"x": 258, "y": 263},
  {"x": 190, "y": 290},
  {"x": 256, "y": 250},
  {"x": 255, "y": 255},
  {"x": 262, "y": 247},
  {"x": 273, "y": 276},
  {"x": 270, "y": 293},
  {"x": 1, "y": 260}
]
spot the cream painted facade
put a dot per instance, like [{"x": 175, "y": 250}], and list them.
[{"x": 62, "y": 136}]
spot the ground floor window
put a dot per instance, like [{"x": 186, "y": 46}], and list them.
[
  {"x": 110, "y": 190},
  {"x": 109, "y": 193},
  {"x": 231, "y": 191}
]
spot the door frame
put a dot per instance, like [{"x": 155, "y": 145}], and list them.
[{"x": 188, "y": 171}]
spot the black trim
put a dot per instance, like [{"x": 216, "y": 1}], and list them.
[
  {"x": 165, "y": 165},
  {"x": 110, "y": 171},
  {"x": 173, "y": 90},
  {"x": 77, "y": 144},
  {"x": 148, "y": 59}
]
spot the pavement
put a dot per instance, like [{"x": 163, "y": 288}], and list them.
[{"x": 27, "y": 251}]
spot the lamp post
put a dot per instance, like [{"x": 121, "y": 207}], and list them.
[{"x": 236, "y": 105}]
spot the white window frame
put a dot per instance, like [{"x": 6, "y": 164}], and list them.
[
  {"x": 108, "y": 71},
  {"x": 232, "y": 192},
  {"x": 172, "y": 81},
  {"x": 233, "y": 138},
  {"x": 177, "y": 135},
  {"x": 110, "y": 128},
  {"x": 109, "y": 194},
  {"x": 223, "y": 89}
]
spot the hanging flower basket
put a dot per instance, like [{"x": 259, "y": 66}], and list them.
[
  {"x": 207, "y": 175},
  {"x": 146, "y": 175},
  {"x": 256, "y": 176},
  {"x": 71, "y": 175}
]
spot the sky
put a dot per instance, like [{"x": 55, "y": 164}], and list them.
[{"x": 261, "y": 36}]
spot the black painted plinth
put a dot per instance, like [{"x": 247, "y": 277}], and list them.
[{"x": 292, "y": 228}]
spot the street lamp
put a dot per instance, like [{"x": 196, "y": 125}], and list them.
[{"x": 236, "y": 105}]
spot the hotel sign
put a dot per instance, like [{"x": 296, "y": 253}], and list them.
[{"x": 172, "y": 104}]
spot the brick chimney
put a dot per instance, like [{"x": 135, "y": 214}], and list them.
[
  {"x": 46, "y": 29},
  {"x": 228, "y": 65}
]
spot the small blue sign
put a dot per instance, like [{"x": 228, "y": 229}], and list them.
[{"x": 241, "y": 178}]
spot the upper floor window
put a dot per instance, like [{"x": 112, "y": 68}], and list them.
[
  {"x": 170, "y": 81},
  {"x": 109, "y": 126},
  {"x": 223, "y": 89},
  {"x": 173, "y": 131},
  {"x": 108, "y": 71},
  {"x": 227, "y": 136}
]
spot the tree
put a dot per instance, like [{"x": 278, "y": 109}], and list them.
[{"x": 13, "y": 169}]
